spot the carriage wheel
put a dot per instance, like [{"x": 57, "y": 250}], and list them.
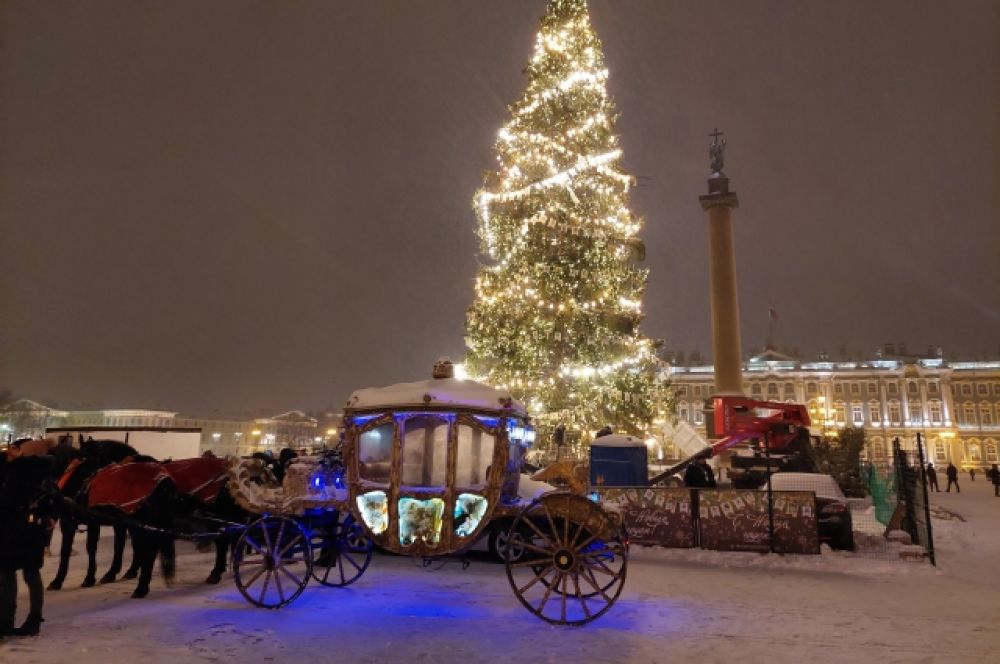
[
  {"x": 272, "y": 562},
  {"x": 341, "y": 551},
  {"x": 573, "y": 561}
]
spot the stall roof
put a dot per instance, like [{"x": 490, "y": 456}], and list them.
[
  {"x": 618, "y": 440},
  {"x": 436, "y": 392}
]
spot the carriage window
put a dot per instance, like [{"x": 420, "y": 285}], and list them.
[
  {"x": 375, "y": 454},
  {"x": 475, "y": 454},
  {"x": 425, "y": 451}
]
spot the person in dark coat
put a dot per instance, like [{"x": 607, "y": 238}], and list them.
[
  {"x": 994, "y": 474},
  {"x": 952, "y": 473},
  {"x": 28, "y": 505},
  {"x": 972, "y": 474},
  {"x": 932, "y": 482},
  {"x": 699, "y": 475}
]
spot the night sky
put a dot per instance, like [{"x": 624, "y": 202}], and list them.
[{"x": 264, "y": 205}]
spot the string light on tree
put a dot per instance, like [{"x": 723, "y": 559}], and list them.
[{"x": 556, "y": 312}]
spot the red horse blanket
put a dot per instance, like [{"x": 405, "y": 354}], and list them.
[
  {"x": 125, "y": 486},
  {"x": 201, "y": 478}
]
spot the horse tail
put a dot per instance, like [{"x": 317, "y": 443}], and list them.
[{"x": 168, "y": 558}]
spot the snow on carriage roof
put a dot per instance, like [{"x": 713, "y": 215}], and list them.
[
  {"x": 443, "y": 391},
  {"x": 618, "y": 440}
]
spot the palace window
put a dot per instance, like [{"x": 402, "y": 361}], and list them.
[
  {"x": 682, "y": 391},
  {"x": 966, "y": 389},
  {"x": 772, "y": 391},
  {"x": 682, "y": 412},
  {"x": 916, "y": 412},
  {"x": 699, "y": 413},
  {"x": 839, "y": 413},
  {"x": 934, "y": 409},
  {"x": 911, "y": 388},
  {"x": 855, "y": 388},
  {"x": 894, "y": 412},
  {"x": 755, "y": 391},
  {"x": 874, "y": 412},
  {"x": 969, "y": 413},
  {"x": 789, "y": 391},
  {"x": 982, "y": 389},
  {"x": 838, "y": 388},
  {"x": 857, "y": 414},
  {"x": 893, "y": 388},
  {"x": 991, "y": 451},
  {"x": 986, "y": 414},
  {"x": 996, "y": 388},
  {"x": 811, "y": 388},
  {"x": 974, "y": 454},
  {"x": 878, "y": 450},
  {"x": 872, "y": 388},
  {"x": 939, "y": 452},
  {"x": 932, "y": 388}
]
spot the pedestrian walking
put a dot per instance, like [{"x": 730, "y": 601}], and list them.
[
  {"x": 972, "y": 474},
  {"x": 994, "y": 474},
  {"x": 28, "y": 503},
  {"x": 952, "y": 473},
  {"x": 932, "y": 482}
]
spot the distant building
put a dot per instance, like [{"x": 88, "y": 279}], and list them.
[
  {"x": 29, "y": 419},
  {"x": 955, "y": 406}
]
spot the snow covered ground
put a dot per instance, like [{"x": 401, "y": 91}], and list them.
[{"x": 677, "y": 606}]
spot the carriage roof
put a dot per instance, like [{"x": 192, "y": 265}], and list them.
[{"x": 437, "y": 393}]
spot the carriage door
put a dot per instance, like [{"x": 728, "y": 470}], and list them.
[{"x": 423, "y": 478}]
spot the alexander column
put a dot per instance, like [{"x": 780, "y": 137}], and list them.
[{"x": 722, "y": 270}]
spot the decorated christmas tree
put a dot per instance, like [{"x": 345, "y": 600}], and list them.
[{"x": 558, "y": 306}]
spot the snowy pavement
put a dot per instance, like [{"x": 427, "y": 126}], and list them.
[{"x": 677, "y": 606}]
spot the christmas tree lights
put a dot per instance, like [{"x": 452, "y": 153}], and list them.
[{"x": 556, "y": 313}]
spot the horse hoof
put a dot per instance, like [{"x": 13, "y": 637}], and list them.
[
  {"x": 109, "y": 578},
  {"x": 89, "y": 582},
  {"x": 139, "y": 593},
  {"x": 213, "y": 579},
  {"x": 130, "y": 575},
  {"x": 55, "y": 585}
]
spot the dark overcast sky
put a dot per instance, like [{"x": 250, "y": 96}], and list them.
[{"x": 242, "y": 205}]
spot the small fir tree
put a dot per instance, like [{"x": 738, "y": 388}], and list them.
[{"x": 557, "y": 309}]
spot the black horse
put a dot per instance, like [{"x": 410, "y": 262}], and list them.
[
  {"x": 150, "y": 526},
  {"x": 91, "y": 457}
]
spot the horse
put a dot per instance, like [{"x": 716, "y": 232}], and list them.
[{"x": 92, "y": 456}]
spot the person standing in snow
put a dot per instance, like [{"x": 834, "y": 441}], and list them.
[
  {"x": 994, "y": 474},
  {"x": 952, "y": 474},
  {"x": 28, "y": 505},
  {"x": 972, "y": 474},
  {"x": 932, "y": 482}
]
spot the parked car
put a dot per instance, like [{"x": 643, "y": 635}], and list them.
[{"x": 836, "y": 527}]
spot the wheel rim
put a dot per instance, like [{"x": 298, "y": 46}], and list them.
[
  {"x": 272, "y": 562},
  {"x": 510, "y": 544},
  {"x": 341, "y": 558},
  {"x": 567, "y": 574}
]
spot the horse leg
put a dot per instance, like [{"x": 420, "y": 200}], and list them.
[
  {"x": 221, "y": 553},
  {"x": 67, "y": 527},
  {"x": 145, "y": 552},
  {"x": 93, "y": 536},
  {"x": 133, "y": 569},
  {"x": 119, "y": 550}
]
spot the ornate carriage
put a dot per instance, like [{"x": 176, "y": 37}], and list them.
[{"x": 427, "y": 466}]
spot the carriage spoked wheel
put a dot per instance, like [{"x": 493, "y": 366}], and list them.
[
  {"x": 342, "y": 551},
  {"x": 573, "y": 559},
  {"x": 272, "y": 561}
]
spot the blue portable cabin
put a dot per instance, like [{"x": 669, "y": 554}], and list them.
[{"x": 618, "y": 460}]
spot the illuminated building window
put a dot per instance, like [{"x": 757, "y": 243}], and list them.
[
  {"x": 839, "y": 413},
  {"x": 892, "y": 388},
  {"x": 855, "y": 388},
  {"x": 969, "y": 413},
  {"x": 932, "y": 388},
  {"x": 974, "y": 454},
  {"x": 857, "y": 414},
  {"x": 966, "y": 389},
  {"x": 895, "y": 414},
  {"x": 874, "y": 412},
  {"x": 911, "y": 388},
  {"x": 838, "y": 388},
  {"x": 755, "y": 391},
  {"x": 872, "y": 388},
  {"x": 982, "y": 389},
  {"x": 939, "y": 452},
  {"x": 916, "y": 412},
  {"x": 682, "y": 413},
  {"x": 772, "y": 391},
  {"x": 934, "y": 408},
  {"x": 991, "y": 451},
  {"x": 811, "y": 388},
  {"x": 986, "y": 414},
  {"x": 789, "y": 391}
]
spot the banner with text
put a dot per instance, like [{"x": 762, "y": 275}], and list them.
[
  {"x": 737, "y": 520},
  {"x": 653, "y": 516}
]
